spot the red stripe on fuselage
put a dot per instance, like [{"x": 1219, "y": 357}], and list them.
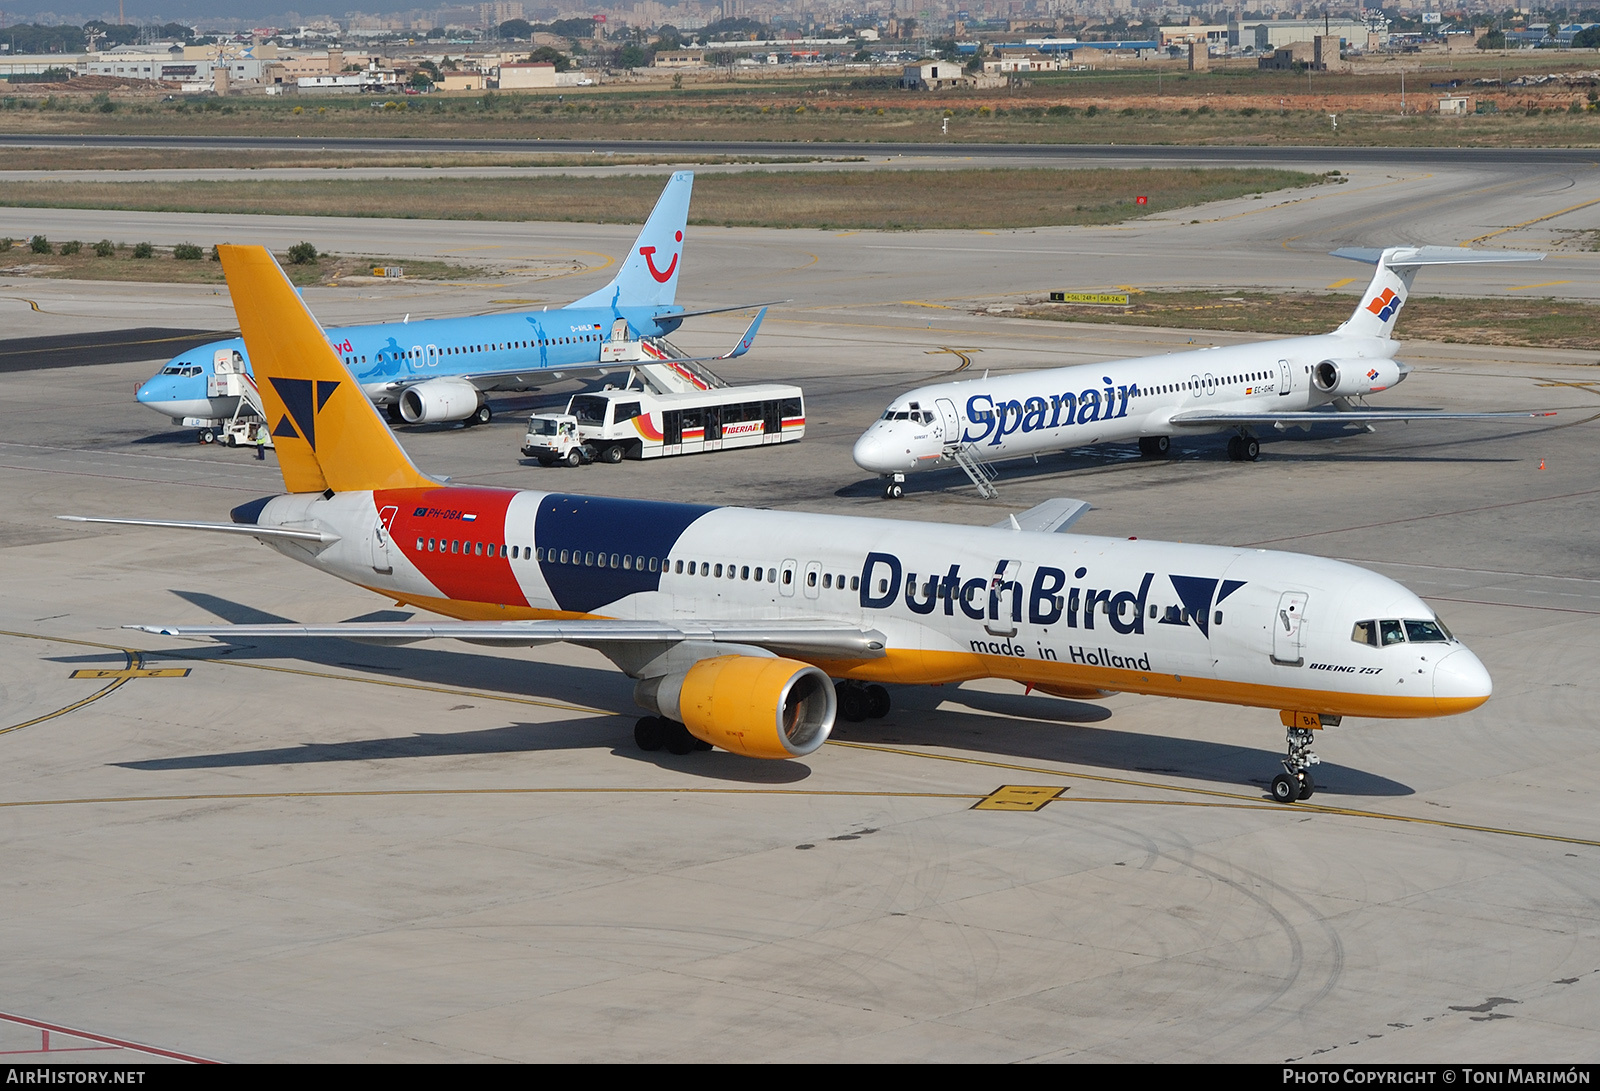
[{"x": 439, "y": 514}]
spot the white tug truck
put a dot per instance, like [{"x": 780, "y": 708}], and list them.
[{"x": 670, "y": 405}]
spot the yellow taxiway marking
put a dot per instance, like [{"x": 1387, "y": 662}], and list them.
[
  {"x": 419, "y": 686},
  {"x": 930, "y": 306},
  {"x": 146, "y": 341},
  {"x": 1236, "y": 799},
  {"x": 964, "y": 354},
  {"x": 1535, "y": 220},
  {"x": 135, "y": 672},
  {"x": 393, "y": 792},
  {"x": 116, "y": 678},
  {"x": 1341, "y": 283},
  {"x": 1544, "y": 284},
  {"x": 1018, "y": 797}
]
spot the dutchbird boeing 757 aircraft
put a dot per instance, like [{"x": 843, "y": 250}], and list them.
[
  {"x": 736, "y": 622},
  {"x": 1297, "y": 381}
]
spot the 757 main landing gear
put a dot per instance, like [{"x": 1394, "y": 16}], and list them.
[
  {"x": 1295, "y": 781},
  {"x": 654, "y": 732},
  {"x": 858, "y": 701}
]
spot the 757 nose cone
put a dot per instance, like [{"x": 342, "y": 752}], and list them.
[{"x": 1460, "y": 682}]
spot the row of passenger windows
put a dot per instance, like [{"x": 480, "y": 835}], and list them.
[
  {"x": 631, "y": 563},
  {"x": 839, "y": 581},
  {"x": 1226, "y": 380},
  {"x": 1380, "y": 634},
  {"x": 461, "y": 350}
]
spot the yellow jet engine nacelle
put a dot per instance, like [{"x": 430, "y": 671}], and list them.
[{"x": 757, "y": 706}]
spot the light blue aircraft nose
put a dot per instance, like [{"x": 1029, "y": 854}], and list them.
[
  {"x": 176, "y": 396},
  {"x": 882, "y": 451}
]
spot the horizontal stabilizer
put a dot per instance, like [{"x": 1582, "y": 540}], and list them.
[
  {"x": 1052, "y": 515},
  {"x": 810, "y": 638},
  {"x": 1345, "y": 416},
  {"x": 320, "y": 536},
  {"x": 674, "y": 315},
  {"x": 1402, "y": 257}
]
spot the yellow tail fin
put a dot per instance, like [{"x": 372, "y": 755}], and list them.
[{"x": 327, "y": 434}]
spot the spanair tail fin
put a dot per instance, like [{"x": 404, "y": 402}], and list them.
[
  {"x": 649, "y": 274},
  {"x": 327, "y": 434},
  {"x": 1397, "y": 266}
]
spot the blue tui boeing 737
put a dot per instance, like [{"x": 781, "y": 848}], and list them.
[{"x": 440, "y": 369}]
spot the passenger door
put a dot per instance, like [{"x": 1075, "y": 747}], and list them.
[
  {"x": 380, "y": 543},
  {"x": 950, "y": 420},
  {"x": 1287, "y": 629}
]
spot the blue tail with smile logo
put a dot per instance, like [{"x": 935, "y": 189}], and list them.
[{"x": 649, "y": 274}]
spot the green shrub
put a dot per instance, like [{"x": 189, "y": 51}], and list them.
[
  {"x": 1090, "y": 111},
  {"x": 144, "y": 250},
  {"x": 186, "y": 251},
  {"x": 71, "y": 247},
  {"x": 40, "y": 245},
  {"x": 7, "y": 243},
  {"x": 302, "y": 253},
  {"x": 104, "y": 248},
  {"x": 216, "y": 255}
]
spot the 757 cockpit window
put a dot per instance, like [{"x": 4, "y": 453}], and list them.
[
  {"x": 1421, "y": 632},
  {"x": 1385, "y": 632}
]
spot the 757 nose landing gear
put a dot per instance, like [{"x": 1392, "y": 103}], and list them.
[{"x": 1295, "y": 781}]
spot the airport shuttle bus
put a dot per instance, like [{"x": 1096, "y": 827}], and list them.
[{"x": 617, "y": 424}]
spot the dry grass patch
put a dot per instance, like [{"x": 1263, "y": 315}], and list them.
[
  {"x": 1538, "y": 323},
  {"x": 74, "y": 159},
  {"x": 162, "y": 266},
  {"x": 896, "y": 200}
]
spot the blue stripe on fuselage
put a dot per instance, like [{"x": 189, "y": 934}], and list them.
[{"x": 588, "y": 527}]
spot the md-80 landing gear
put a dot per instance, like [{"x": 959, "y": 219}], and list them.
[
  {"x": 895, "y": 488},
  {"x": 1244, "y": 448},
  {"x": 1295, "y": 782}
]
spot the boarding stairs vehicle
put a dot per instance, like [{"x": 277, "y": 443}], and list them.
[
  {"x": 981, "y": 473},
  {"x": 249, "y": 418}
]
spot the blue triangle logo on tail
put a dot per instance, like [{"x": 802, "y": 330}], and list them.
[{"x": 298, "y": 396}]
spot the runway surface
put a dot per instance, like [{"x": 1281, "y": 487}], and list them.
[{"x": 327, "y": 851}]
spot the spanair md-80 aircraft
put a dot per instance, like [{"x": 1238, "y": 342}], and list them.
[
  {"x": 1298, "y": 381},
  {"x": 735, "y": 622},
  {"x": 440, "y": 369}
]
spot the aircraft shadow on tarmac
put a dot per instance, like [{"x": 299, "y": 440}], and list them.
[
  {"x": 1043, "y": 728},
  {"x": 994, "y": 725},
  {"x": 1118, "y": 457}
]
